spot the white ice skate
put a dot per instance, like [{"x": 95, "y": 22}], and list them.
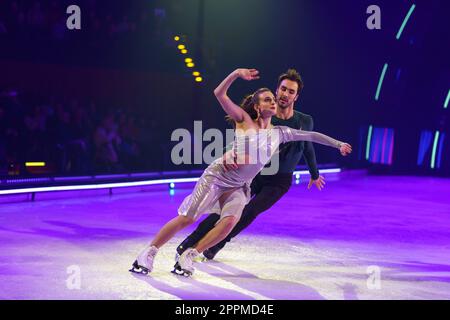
[
  {"x": 144, "y": 262},
  {"x": 184, "y": 265}
]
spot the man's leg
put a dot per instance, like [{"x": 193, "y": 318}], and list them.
[{"x": 265, "y": 199}]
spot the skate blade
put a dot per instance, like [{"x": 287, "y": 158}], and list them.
[
  {"x": 136, "y": 268},
  {"x": 181, "y": 272}
]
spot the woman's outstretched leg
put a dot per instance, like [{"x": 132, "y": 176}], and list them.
[
  {"x": 170, "y": 229},
  {"x": 144, "y": 261}
]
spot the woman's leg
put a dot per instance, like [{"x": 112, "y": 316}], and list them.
[
  {"x": 144, "y": 261},
  {"x": 232, "y": 204},
  {"x": 217, "y": 234},
  {"x": 170, "y": 229},
  {"x": 202, "y": 229}
]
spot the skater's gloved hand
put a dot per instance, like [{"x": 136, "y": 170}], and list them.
[
  {"x": 319, "y": 183},
  {"x": 229, "y": 161}
]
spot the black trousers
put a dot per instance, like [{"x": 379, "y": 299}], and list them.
[{"x": 265, "y": 190}]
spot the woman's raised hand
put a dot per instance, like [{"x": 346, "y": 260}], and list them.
[{"x": 248, "y": 74}]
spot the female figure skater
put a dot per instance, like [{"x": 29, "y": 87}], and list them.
[{"x": 227, "y": 192}]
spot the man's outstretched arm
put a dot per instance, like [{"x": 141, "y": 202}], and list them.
[{"x": 309, "y": 155}]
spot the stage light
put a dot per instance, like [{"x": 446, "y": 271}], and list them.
[
  {"x": 391, "y": 148},
  {"x": 433, "y": 154},
  {"x": 184, "y": 51},
  {"x": 199, "y": 79},
  {"x": 172, "y": 185},
  {"x": 399, "y": 33},
  {"x": 196, "y": 74},
  {"x": 297, "y": 176},
  {"x": 304, "y": 172},
  {"x": 380, "y": 145},
  {"x": 424, "y": 145},
  {"x": 172, "y": 192},
  {"x": 34, "y": 164},
  {"x": 125, "y": 184},
  {"x": 188, "y": 60},
  {"x": 181, "y": 46},
  {"x": 176, "y": 38},
  {"x": 447, "y": 99},
  {"x": 369, "y": 139},
  {"x": 380, "y": 82},
  {"x": 190, "y": 65}
]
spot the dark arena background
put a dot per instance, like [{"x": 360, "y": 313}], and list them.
[{"x": 92, "y": 91}]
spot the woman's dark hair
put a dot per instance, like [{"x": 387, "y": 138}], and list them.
[
  {"x": 292, "y": 75},
  {"x": 248, "y": 105}
]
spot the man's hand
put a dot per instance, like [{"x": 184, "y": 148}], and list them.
[
  {"x": 345, "y": 149},
  {"x": 248, "y": 74},
  {"x": 319, "y": 182},
  {"x": 229, "y": 161}
]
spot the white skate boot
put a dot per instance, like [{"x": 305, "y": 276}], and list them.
[
  {"x": 144, "y": 262},
  {"x": 184, "y": 266}
]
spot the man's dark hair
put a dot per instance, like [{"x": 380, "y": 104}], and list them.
[{"x": 292, "y": 75}]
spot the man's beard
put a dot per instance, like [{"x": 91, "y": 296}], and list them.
[{"x": 283, "y": 106}]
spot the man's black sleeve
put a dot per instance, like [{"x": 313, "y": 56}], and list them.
[{"x": 309, "y": 154}]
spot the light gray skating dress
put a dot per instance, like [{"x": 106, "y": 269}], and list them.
[{"x": 227, "y": 192}]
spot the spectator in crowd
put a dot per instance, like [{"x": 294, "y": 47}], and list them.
[{"x": 107, "y": 142}]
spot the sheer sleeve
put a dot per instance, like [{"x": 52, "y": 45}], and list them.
[{"x": 288, "y": 134}]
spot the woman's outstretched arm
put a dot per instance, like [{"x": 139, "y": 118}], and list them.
[
  {"x": 289, "y": 134},
  {"x": 233, "y": 110}
]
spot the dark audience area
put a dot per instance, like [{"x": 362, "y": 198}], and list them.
[
  {"x": 59, "y": 87},
  {"x": 73, "y": 137}
]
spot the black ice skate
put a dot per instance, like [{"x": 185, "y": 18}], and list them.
[
  {"x": 136, "y": 268},
  {"x": 180, "y": 272}
]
